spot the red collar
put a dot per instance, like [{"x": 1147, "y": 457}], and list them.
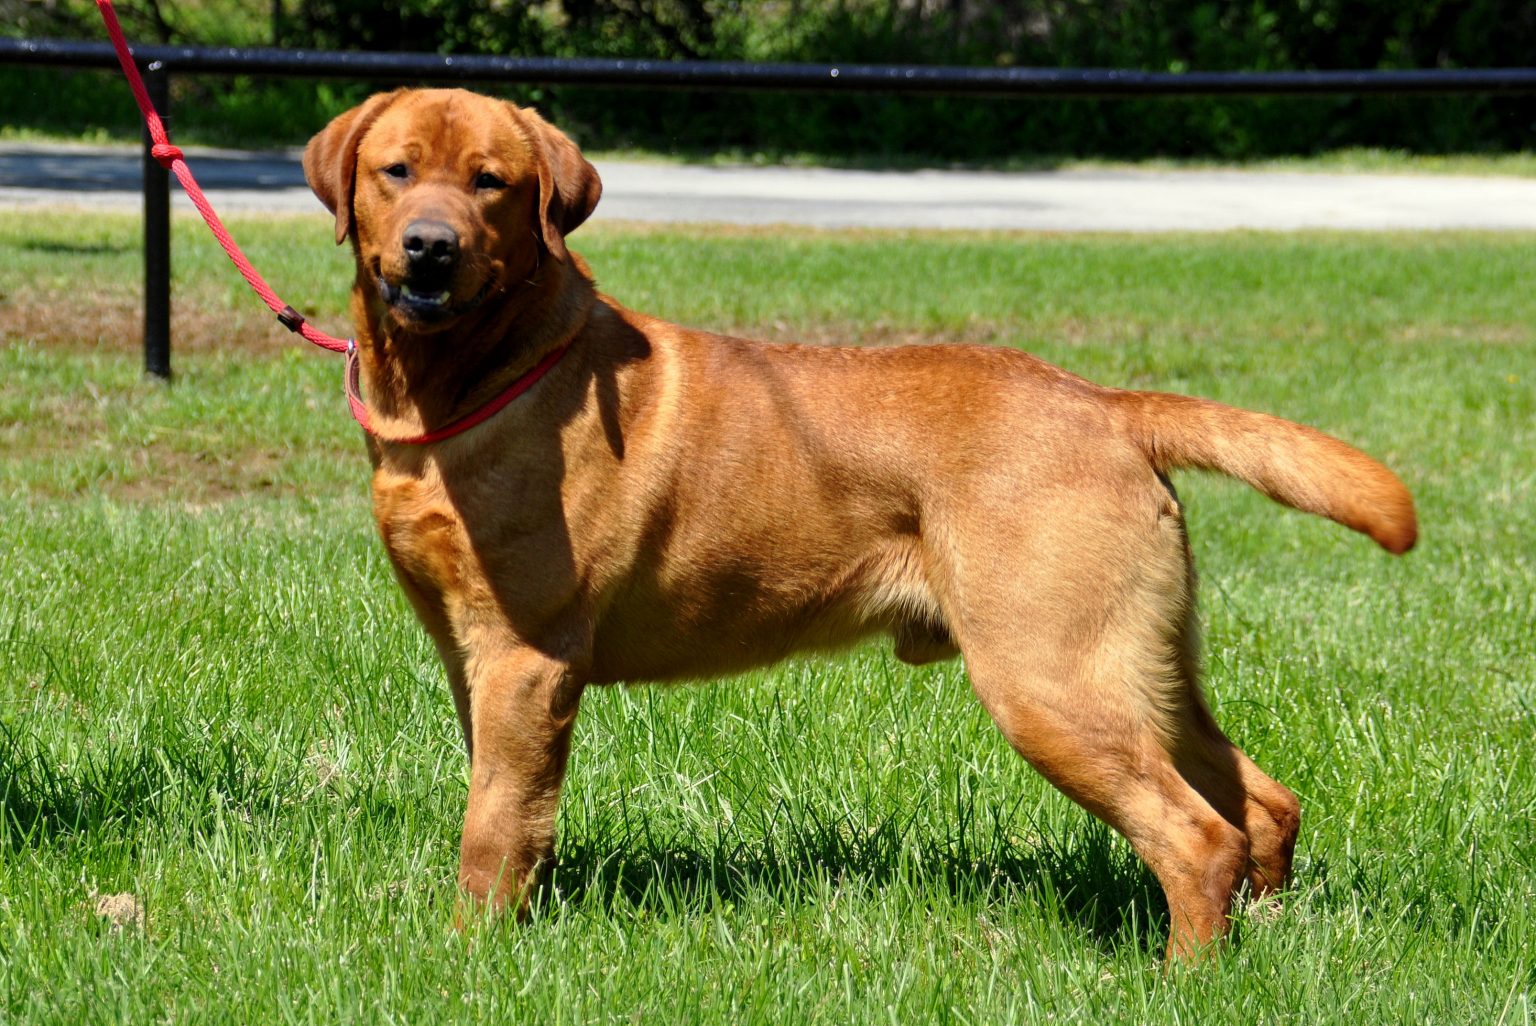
[{"x": 475, "y": 417}]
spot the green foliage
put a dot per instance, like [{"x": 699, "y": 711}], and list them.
[{"x": 1173, "y": 36}]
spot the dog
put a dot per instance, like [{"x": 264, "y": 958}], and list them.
[{"x": 662, "y": 503}]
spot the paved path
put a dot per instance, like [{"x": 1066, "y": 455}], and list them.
[{"x": 108, "y": 178}]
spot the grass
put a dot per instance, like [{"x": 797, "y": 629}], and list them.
[{"x": 213, "y": 700}]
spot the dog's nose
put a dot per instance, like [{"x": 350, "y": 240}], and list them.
[{"x": 431, "y": 245}]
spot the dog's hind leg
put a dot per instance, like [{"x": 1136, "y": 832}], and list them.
[
  {"x": 1264, "y": 809},
  {"x": 1079, "y": 663},
  {"x": 523, "y": 708},
  {"x": 1121, "y": 771}
]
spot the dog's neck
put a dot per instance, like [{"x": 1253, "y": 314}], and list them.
[{"x": 417, "y": 382}]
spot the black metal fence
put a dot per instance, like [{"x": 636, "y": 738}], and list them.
[
  {"x": 158, "y": 63},
  {"x": 1081, "y": 83}
]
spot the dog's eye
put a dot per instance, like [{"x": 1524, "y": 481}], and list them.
[
  {"x": 397, "y": 171},
  {"x": 486, "y": 180}
]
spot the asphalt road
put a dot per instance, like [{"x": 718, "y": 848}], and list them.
[{"x": 108, "y": 178}]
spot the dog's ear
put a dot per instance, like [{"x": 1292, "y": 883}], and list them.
[
  {"x": 330, "y": 159},
  {"x": 569, "y": 187}
]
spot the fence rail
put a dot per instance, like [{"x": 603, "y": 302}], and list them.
[
  {"x": 160, "y": 62},
  {"x": 1083, "y": 83}
]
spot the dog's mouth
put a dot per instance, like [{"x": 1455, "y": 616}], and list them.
[{"x": 428, "y": 306}]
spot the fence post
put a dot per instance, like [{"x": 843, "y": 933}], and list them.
[{"x": 157, "y": 237}]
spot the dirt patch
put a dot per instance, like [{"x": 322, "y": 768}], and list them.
[
  {"x": 120, "y": 912},
  {"x": 198, "y": 480},
  {"x": 75, "y": 464},
  {"x": 323, "y": 762},
  {"x": 878, "y": 334},
  {"x": 79, "y": 444},
  {"x": 113, "y": 321},
  {"x": 1486, "y": 334}
]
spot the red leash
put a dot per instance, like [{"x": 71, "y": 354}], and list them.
[{"x": 171, "y": 158}]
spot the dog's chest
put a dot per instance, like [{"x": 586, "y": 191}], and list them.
[{"x": 423, "y": 533}]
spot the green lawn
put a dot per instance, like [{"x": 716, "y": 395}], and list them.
[{"x": 212, "y": 698}]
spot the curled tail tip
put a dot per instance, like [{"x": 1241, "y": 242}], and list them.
[
  {"x": 1396, "y": 538},
  {"x": 1393, "y": 524},
  {"x": 1397, "y": 534}
]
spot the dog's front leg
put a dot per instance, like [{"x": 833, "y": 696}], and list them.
[{"x": 523, "y": 705}]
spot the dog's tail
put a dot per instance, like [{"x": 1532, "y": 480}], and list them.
[{"x": 1292, "y": 464}]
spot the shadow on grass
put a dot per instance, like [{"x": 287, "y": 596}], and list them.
[
  {"x": 162, "y": 775},
  {"x": 60, "y": 248},
  {"x": 47, "y": 795},
  {"x": 1086, "y": 880}
]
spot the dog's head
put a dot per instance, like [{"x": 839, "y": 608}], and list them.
[{"x": 448, "y": 197}]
